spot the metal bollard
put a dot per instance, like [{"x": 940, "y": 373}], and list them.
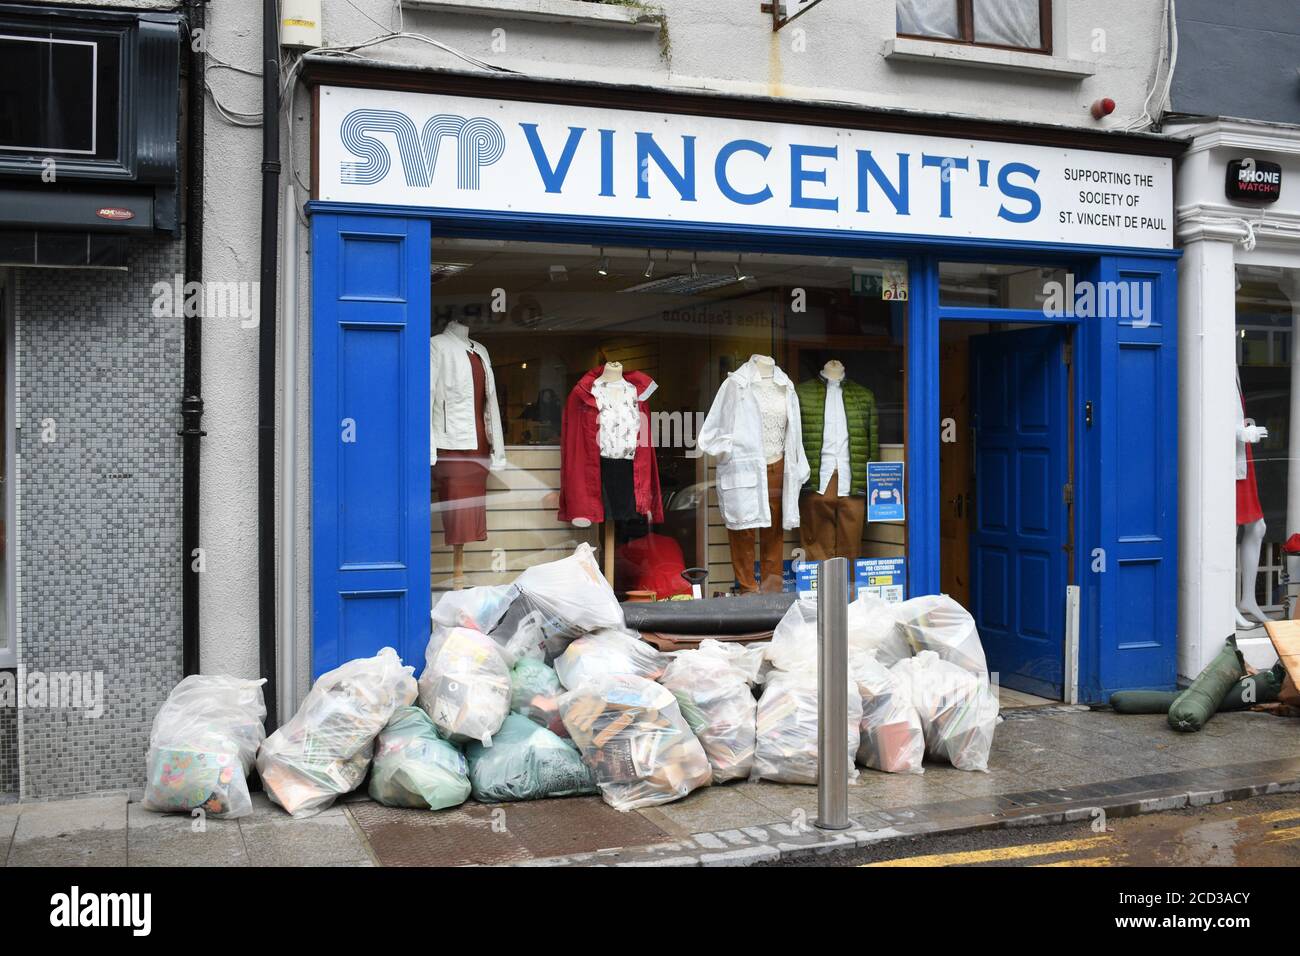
[{"x": 833, "y": 694}]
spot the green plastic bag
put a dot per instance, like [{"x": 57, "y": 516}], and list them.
[
  {"x": 534, "y": 691},
  {"x": 526, "y": 762},
  {"x": 414, "y": 767},
  {"x": 1201, "y": 701}
]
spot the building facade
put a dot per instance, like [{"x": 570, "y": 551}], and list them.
[
  {"x": 1236, "y": 98},
  {"x": 960, "y": 112}
]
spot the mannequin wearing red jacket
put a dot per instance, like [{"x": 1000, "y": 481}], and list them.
[{"x": 580, "y": 482}]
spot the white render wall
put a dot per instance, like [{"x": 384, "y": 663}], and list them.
[
  {"x": 832, "y": 53},
  {"x": 1212, "y": 232}
]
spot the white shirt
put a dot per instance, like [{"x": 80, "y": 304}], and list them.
[
  {"x": 773, "y": 414},
  {"x": 618, "y": 421},
  {"x": 835, "y": 442}
]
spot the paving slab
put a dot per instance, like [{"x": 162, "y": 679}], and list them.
[
  {"x": 177, "y": 839},
  {"x": 8, "y": 823},
  {"x": 89, "y": 832},
  {"x": 273, "y": 838},
  {"x": 713, "y": 808}
]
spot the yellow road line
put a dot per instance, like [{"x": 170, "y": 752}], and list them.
[
  {"x": 1289, "y": 835},
  {"x": 1027, "y": 851},
  {"x": 1277, "y": 816},
  {"x": 1082, "y": 861}
]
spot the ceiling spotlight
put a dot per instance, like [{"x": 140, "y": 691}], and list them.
[
  {"x": 695, "y": 265},
  {"x": 649, "y": 265},
  {"x": 602, "y": 269},
  {"x": 740, "y": 276}
]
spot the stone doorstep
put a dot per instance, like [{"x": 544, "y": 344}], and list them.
[{"x": 747, "y": 845}]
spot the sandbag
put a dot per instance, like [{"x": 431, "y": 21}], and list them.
[
  {"x": 324, "y": 750},
  {"x": 935, "y": 622},
  {"x": 1143, "y": 701},
  {"x": 1196, "y": 705},
  {"x": 958, "y": 710},
  {"x": 891, "y": 737},
  {"x": 606, "y": 654},
  {"x": 202, "y": 745},
  {"x": 712, "y": 686},
  {"x": 743, "y": 614},
  {"x": 1259, "y": 688},
  {"x": 414, "y": 767},
  {"x": 465, "y": 686},
  {"x": 526, "y": 762},
  {"x": 786, "y": 747},
  {"x": 632, "y": 735},
  {"x": 535, "y": 690}
]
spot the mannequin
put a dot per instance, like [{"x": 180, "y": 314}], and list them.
[
  {"x": 840, "y": 435},
  {"x": 753, "y": 431},
  {"x": 1250, "y": 517},
  {"x": 467, "y": 438},
  {"x": 608, "y": 473}
]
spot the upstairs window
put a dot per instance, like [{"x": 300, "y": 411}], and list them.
[{"x": 1007, "y": 24}]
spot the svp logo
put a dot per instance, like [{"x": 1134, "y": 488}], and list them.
[{"x": 477, "y": 141}]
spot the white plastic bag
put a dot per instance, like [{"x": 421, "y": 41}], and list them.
[
  {"x": 935, "y": 622},
  {"x": 712, "y": 687},
  {"x": 607, "y": 654},
  {"x": 465, "y": 687},
  {"x": 202, "y": 746},
  {"x": 892, "y": 738},
  {"x": 958, "y": 710},
  {"x": 632, "y": 735},
  {"x": 560, "y": 601},
  {"x": 325, "y": 748},
  {"x": 871, "y": 631},
  {"x": 479, "y": 608},
  {"x": 786, "y": 749}
]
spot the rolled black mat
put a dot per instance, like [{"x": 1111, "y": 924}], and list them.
[{"x": 725, "y": 615}]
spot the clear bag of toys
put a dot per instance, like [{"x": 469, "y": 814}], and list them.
[
  {"x": 465, "y": 686},
  {"x": 414, "y": 767},
  {"x": 202, "y": 746}
]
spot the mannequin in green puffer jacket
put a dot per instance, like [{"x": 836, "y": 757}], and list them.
[
  {"x": 830, "y": 525},
  {"x": 864, "y": 429}
]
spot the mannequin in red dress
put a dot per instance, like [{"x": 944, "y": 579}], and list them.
[{"x": 1250, "y": 518}]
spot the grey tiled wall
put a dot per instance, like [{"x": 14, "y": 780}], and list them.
[
  {"x": 8, "y": 750},
  {"x": 98, "y": 512}
]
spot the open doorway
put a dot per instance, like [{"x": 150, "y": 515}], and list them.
[{"x": 1006, "y": 493}]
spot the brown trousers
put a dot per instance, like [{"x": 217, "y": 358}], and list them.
[
  {"x": 831, "y": 526},
  {"x": 771, "y": 542}
]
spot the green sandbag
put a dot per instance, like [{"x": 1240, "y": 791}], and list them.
[
  {"x": 1264, "y": 687},
  {"x": 1200, "y": 702},
  {"x": 1143, "y": 701}
]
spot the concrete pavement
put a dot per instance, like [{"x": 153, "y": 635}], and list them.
[{"x": 1049, "y": 764}]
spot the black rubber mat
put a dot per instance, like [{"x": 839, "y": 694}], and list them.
[{"x": 476, "y": 833}]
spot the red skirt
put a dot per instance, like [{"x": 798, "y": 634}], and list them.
[
  {"x": 1249, "y": 510},
  {"x": 461, "y": 487}
]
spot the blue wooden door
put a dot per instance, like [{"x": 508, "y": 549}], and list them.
[
  {"x": 1019, "y": 565},
  {"x": 370, "y": 438}
]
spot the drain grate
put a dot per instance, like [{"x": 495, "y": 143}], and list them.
[{"x": 476, "y": 833}]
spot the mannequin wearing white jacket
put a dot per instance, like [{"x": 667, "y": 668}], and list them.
[{"x": 747, "y": 476}]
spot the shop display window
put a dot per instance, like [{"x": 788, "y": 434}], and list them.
[
  {"x": 549, "y": 317},
  {"x": 997, "y": 285},
  {"x": 1267, "y": 482}
]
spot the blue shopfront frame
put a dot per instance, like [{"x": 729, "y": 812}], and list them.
[{"x": 370, "y": 514}]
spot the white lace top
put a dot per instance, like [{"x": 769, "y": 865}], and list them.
[
  {"x": 618, "y": 421},
  {"x": 773, "y": 414}
]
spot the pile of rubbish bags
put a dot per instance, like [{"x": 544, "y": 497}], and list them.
[{"x": 538, "y": 689}]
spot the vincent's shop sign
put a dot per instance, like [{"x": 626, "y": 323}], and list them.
[{"x": 492, "y": 156}]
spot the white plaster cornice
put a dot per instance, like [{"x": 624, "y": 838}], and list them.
[{"x": 1235, "y": 134}]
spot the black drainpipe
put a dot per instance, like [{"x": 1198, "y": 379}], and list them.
[
  {"x": 266, "y": 356},
  {"x": 192, "y": 399}
]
